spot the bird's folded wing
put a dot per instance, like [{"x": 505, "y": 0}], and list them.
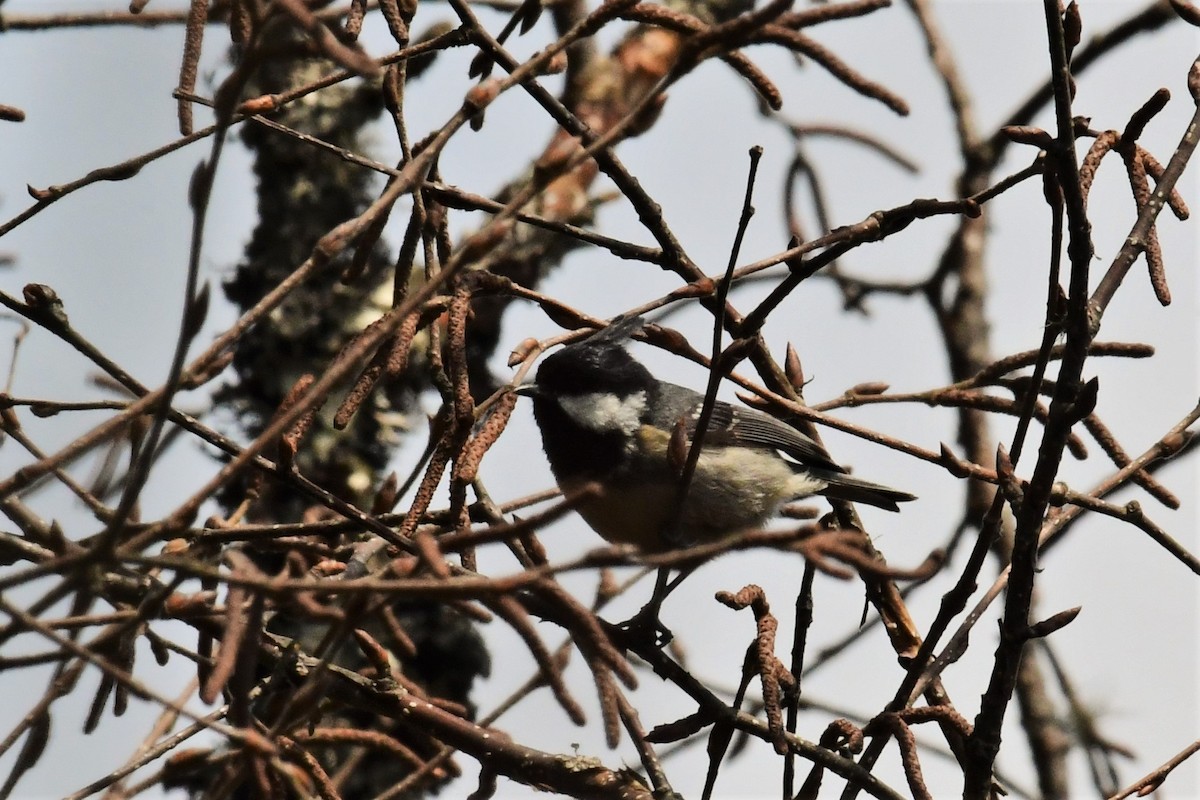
[{"x": 745, "y": 427}]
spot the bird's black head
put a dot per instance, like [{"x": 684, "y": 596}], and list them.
[
  {"x": 589, "y": 400},
  {"x": 592, "y": 367}
]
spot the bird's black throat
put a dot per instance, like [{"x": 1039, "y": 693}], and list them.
[{"x": 576, "y": 453}]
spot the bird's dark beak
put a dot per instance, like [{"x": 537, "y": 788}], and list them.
[{"x": 527, "y": 390}]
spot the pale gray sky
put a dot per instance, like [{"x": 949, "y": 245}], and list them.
[{"x": 116, "y": 253}]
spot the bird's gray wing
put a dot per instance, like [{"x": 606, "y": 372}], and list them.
[{"x": 740, "y": 426}]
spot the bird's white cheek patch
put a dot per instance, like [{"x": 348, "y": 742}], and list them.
[{"x": 603, "y": 412}]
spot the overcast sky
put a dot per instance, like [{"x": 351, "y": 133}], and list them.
[{"x": 116, "y": 253}]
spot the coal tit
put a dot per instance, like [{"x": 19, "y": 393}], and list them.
[{"x": 604, "y": 418}]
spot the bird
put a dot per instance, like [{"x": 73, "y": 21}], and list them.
[{"x": 607, "y": 422}]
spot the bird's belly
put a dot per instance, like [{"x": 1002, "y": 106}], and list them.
[
  {"x": 720, "y": 501},
  {"x": 630, "y": 514}
]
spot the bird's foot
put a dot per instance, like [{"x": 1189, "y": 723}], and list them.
[{"x": 645, "y": 628}]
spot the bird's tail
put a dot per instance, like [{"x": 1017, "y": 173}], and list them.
[{"x": 841, "y": 486}]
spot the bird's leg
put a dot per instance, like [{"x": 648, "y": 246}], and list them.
[{"x": 646, "y": 624}]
